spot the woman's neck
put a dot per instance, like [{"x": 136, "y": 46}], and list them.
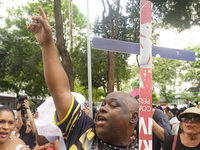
[
  {"x": 5, "y": 145},
  {"x": 190, "y": 140}
]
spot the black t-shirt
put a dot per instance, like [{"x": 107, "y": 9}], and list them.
[
  {"x": 174, "y": 110},
  {"x": 28, "y": 138},
  {"x": 167, "y": 145}
]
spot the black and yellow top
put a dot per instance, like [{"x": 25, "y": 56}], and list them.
[{"x": 78, "y": 131}]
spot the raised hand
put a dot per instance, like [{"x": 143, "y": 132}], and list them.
[
  {"x": 26, "y": 103},
  {"x": 41, "y": 28}
]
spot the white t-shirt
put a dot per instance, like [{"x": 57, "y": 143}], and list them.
[{"x": 174, "y": 120}]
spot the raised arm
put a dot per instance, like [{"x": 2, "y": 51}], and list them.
[
  {"x": 30, "y": 116},
  {"x": 161, "y": 126},
  {"x": 19, "y": 115},
  {"x": 55, "y": 76},
  {"x": 158, "y": 130}
]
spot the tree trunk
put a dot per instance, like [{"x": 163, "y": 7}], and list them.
[
  {"x": 70, "y": 26},
  {"x": 118, "y": 86},
  {"x": 110, "y": 56},
  {"x": 110, "y": 71},
  {"x": 66, "y": 60}
]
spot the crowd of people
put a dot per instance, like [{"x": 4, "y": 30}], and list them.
[{"x": 115, "y": 125}]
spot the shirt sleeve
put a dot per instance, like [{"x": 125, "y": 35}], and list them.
[
  {"x": 74, "y": 124},
  {"x": 163, "y": 121}
]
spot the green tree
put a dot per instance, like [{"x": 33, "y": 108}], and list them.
[
  {"x": 155, "y": 98},
  {"x": 165, "y": 74},
  {"x": 180, "y": 14},
  {"x": 21, "y": 63},
  {"x": 193, "y": 70},
  {"x": 115, "y": 29},
  {"x": 21, "y": 68},
  {"x": 169, "y": 14}
]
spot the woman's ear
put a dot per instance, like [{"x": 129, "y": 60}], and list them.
[
  {"x": 181, "y": 127},
  {"x": 134, "y": 118}
]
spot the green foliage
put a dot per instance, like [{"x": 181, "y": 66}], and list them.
[
  {"x": 122, "y": 69},
  {"x": 155, "y": 98},
  {"x": 97, "y": 93},
  {"x": 21, "y": 66},
  {"x": 81, "y": 70},
  {"x": 197, "y": 101},
  {"x": 135, "y": 79},
  {"x": 20, "y": 55},
  {"x": 166, "y": 74},
  {"x": 180, "y": 14},
  {"x": 193, "y": 68},
  {"x": 133, "y": 30}
]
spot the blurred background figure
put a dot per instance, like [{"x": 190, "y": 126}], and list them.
[
  {"x": 189, "y": 104},
  {"x": 16, "y": 129},
  {"x": 175, "y": 123},
  {"x": 94, "y": 110},
  {"x": 174, "y": 110},
  {"x": 168, "y": 113},
  {"x": 27, "y": 128},
  {"x": 35, "y": 115},
  {"x": 160, "y": 107}
]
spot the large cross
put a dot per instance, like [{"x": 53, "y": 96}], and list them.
[{"x": 146, "y": 51}]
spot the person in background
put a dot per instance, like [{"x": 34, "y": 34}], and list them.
[
  {"x": 189, "y": 138},
  {"x": 16, "y": 129},
  {"x": 7, "y": 140},
  {"x": 35, "y": 115},
  {"x": 174, "y": 110},
  {"x": 27, "y": 130},
  {"x": 94, "y": 110},
  {"x": 168, "y": 113},
  {"x": 175, "y": 123},
  {"x": 189, "y": 104},
  {"x": 86, "y": 110},
  {"x": 115, "y": 120},
  {"x": 160, "y": 107},
  {"x": 161, "y": 128}
]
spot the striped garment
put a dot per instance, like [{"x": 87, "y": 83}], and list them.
[{"x": 78, "y": 131}]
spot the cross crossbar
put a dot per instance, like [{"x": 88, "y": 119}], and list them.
[{"x": 134, "y": 48}]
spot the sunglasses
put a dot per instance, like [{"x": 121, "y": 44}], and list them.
[{"x": 193, "y": 119}]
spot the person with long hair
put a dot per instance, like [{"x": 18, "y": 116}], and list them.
[{"x": 27, "y": 127}]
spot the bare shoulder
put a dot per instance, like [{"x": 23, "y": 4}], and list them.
[
  {"x": 16, "y": 139},
  {"x": 14, "y": 145}
]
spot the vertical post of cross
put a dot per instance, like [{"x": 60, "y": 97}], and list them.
[{"x": 145, "y": 120}]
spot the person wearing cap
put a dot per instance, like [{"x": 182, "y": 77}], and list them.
[{"x": 189, "y": 138}]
